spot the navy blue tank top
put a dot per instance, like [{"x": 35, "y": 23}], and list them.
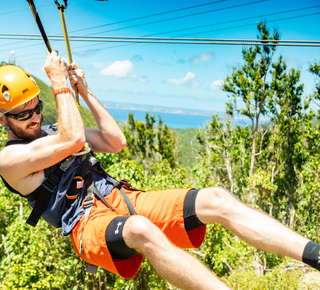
[{"x": 56, "y": 214}]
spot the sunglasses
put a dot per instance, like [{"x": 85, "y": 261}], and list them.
[{"x": 26, "y": 115}]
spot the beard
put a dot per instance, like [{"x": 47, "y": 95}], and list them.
[{"x": 25, "y": 134}]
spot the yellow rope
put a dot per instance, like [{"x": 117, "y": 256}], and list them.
[{"x": 67, "y": 42}]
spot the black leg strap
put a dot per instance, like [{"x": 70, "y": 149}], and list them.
[
  {"x": 129, "y": 204},
  {"x": 84, "y": 171}
]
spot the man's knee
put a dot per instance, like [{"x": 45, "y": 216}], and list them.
[
  {"x": 139, "y": 233},
  {"x": 127, "y": 235},
  {"x": 214, "y": 201},
  {"x": 117, "y": 247},
  {"x": 215, "y": 197}
]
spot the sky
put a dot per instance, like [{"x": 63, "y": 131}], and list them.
[{"x": 185, "y": 76}]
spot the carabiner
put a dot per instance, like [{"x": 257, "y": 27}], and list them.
[
  {"x": 85, "y": 150},
  {"x": 60, "y": 6}
]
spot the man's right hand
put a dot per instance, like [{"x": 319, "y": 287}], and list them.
[
  {"x": 77, "y": 79},
  {"x": 56, "y": 69}
]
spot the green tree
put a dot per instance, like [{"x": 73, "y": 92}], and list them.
[
  {"x": 224, "y": 152},
  {"x": 249, "y": 84},
  {"x": 315, "y": 69},
  {"x": 3, "y": 137},
  {"x": 286, "y": 109},
  {"x": 308, "y": 201},
  {"x": 145, "y": 145}
]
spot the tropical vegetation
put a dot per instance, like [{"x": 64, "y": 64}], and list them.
[{"x": 273, "y": 166}]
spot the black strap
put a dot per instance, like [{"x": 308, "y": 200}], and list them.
[
  {"x": 84, "y": 170},
  {"x": 129, "y": 204},
  {"x": 91, "y": 189},
  {"x": 91, "y": 268},
  {"x": 43, "y": 194},
  {"x": 40, "y": 26}
]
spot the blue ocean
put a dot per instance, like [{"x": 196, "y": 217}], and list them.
[{"x": 180, "y": 121}]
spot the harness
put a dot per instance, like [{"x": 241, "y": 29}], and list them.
[
  {"x": 84, "y": 173},
  {"x": 43, "y": 192}
]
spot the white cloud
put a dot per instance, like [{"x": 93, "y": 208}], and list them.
[
  {"x": 203, "y": 57},
  {"x": 216, "y": 85},
  {"x": 143, "y": 80},
  {"x": 189, "y": 80},
  {"x": 119, "y": 69}
]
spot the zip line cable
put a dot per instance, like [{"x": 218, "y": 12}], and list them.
[
  {"x": 226, "y": 28},
  {"x": 168, "y": 40},
  {"x": 179, "y": 17},
  {"x": 15, "y": 11},
  {"x": 196, "y": 27},
  {"x": 106, "y": 38},
  {"x": 194, "y": 39},
  {"x": 244, "y": 25},
  {"x": 276, "y": 13},
  {"x": 247, "y": 18},
  {"x": 3, "y": 36},
  {"x": 151, "y": 15},
  {"x": 10, "y": 44},
  {"x": 217, "y": 29}
]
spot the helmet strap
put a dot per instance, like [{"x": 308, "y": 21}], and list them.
[{"x": 8, "y": 129}]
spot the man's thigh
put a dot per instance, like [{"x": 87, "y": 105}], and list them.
[{"x": 173, "y": 211}]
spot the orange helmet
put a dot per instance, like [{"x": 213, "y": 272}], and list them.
[{"x": 16, "y": 88}]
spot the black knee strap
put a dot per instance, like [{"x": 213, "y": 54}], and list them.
[
  {"x": 117, "y": 247},
  {"x": 191, "y": 220}
]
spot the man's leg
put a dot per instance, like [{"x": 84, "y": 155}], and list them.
[
  {"x": 173, "y": 264},
  {"x": 216, "y": 205}
]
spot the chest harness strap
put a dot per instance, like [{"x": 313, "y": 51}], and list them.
[{"x": 43, "y": 193}]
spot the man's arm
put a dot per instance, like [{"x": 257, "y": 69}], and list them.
[
  {"x": 109, "y": 138},
  {"x": 20, "y": 164}
]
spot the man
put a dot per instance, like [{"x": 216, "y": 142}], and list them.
[{"x": 107, "y": 234}]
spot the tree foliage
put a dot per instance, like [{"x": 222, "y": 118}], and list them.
[
  {"x": 249, "y": 83},
  {"x": 147, "y": 145}
]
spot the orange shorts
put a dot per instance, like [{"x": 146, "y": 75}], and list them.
[{"x": 163, "y": 208}]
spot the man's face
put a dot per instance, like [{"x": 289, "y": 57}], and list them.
[{"x": 26, "y": 129}]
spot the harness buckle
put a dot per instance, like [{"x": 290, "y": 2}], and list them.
[
  {"x": 48, "y": 186},
  {"x": 88, "y": 203}
]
